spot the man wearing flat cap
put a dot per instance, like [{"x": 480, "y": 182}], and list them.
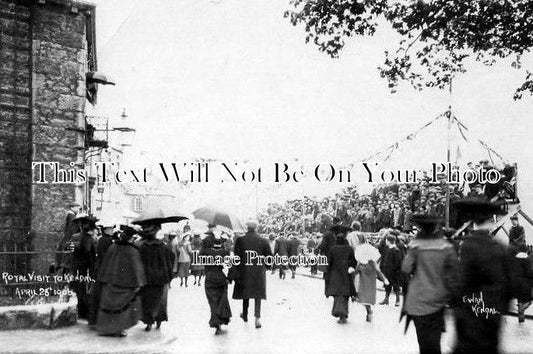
[
  {"x": 484, "y": 280},
  {"x": 251, "y": 282}
]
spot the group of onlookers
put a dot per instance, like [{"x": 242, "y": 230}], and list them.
[
  {"x": 477, "y": 286},
  {"x": 387, "y": 206},
  {"x": 133, "y": 270}
]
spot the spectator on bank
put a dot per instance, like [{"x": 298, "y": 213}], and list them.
[{"x": 517, "y": 235}]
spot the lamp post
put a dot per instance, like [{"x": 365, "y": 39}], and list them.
[
  {"x": 126, "y": 138},
  {"x": 127, "y": 134}
]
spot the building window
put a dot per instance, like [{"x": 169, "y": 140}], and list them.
[{"x": 138, "y": 204}]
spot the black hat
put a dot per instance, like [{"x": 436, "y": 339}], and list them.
[
  {"x": 340, "y": 229},
  {"x": 514, "y": 217},
  {"x": 425, "y": 220},
  {"x": 477, "y": 209}
]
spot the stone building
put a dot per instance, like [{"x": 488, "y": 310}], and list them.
[{"x": 46, "y": 49}]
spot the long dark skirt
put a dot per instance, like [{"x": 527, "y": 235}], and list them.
[
  {"x": 340, "y": 306},
  {"x": 184, "y": 269},
  {"x": 82, "y": 290},
  {"x": 197, "y": 270},
  {"x": 120, "y": 309},
  {"x": 95, "y": 302},
  {"x": 154, "y": 303},
  {"x": 217, "y": 296}
]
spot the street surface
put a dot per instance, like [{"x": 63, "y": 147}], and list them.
[{"x": 296, "y": 319}]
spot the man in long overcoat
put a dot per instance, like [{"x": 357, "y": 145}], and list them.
[
  {"x": 484, "y": 289},
  {"x": 251, "y": 279},
  {"x": 281, "y": 248}
]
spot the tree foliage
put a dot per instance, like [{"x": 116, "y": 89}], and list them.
[{"x": 438, "y": 37}]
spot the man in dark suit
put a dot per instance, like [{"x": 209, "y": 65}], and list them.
[
  {"x": 294, "y": 245},
  {"x": 281, "y": 248},
  {"x": 328, "y": 241},
  {"x": 251, "y": 280}
]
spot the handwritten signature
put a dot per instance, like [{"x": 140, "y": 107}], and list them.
[{"x": 477, "y": 305}]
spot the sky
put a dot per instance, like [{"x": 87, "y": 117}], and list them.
[{"x": 234, "y": 80}]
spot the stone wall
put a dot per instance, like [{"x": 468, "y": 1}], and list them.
[
  {"x": 43, "y": 60},
  {"x": 15, "y": 123},
  {"x": 59, "y": 66}
]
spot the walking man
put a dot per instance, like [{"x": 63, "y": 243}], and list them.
[{"x": 251, "y": 282}]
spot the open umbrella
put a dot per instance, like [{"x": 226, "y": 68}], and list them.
[
  {"x": 99, "y": 78},
  {"x": 218, "y": 217},
  {"x": 159, "y": 215}
]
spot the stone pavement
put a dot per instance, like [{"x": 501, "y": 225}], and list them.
[
  {"x": 296, "y": 319},
  {"x": 80, "y": 339}
]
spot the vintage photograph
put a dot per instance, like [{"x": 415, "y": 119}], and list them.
[{"x": 266, "y": 176}]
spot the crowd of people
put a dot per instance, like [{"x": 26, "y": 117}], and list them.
[
  {"x": 130, "y": 270},
  {"x": 387, "y": 206},
  {"x": 431, "y": 277},
  {"x": 133, "y": 267}
]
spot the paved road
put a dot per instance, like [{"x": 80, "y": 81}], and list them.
[{"x": 296, "y": 319}]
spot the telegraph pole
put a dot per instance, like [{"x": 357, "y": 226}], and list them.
[{"x": 448, "y": 156}]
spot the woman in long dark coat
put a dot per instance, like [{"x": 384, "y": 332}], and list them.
[
  {"x": 158, "y": 260},
  {"x": 197, "y": 270},
  {"x": 122, "y": 276},
  {"x": 83, "y": 261},
  {"x": 339, "y": 282},
  {"x": 216, "y": 287}
]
